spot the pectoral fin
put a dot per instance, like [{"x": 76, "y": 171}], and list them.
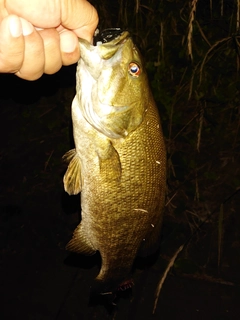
[
  {"x": 110, "y": 164},
  {"x": 80, "y": 243},
  {"x": 72, "y": 178}
]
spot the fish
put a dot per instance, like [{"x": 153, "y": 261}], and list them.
[{"x": 119, "y": 160}]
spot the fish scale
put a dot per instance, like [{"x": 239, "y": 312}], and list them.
[{"x": 119, "y": 161}]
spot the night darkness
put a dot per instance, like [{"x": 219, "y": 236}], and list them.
[{"x": 194, "y": 75}]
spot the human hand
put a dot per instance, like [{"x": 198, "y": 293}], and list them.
[{"x": 39, "y": 36}]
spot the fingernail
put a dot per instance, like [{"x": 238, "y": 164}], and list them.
[
  {"x": 15, "y": 26},
  {"x": 68, "y": 43},
  {"x": 27, "y": 27}
]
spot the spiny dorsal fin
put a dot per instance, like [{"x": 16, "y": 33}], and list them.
[
  {"x": 80, "y": 243},
  {"x": 72, "y": 177}
]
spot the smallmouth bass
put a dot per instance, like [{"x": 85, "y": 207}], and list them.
[{"x": 119, "y": 160}]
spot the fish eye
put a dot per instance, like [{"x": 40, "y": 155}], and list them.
[{"x": 134, "y": 69}]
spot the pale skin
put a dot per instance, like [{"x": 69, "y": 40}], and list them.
[{"x": 40, "y": 36}]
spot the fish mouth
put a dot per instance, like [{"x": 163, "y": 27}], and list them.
[{"x": 108, "y": 35}]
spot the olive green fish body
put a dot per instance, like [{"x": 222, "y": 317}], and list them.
[{"x": 118, "y": 163}]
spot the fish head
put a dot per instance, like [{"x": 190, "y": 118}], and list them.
[{"x": 112, "y": 87}]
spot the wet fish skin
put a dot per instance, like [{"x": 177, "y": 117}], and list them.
[{"x": 119, "y": 160}]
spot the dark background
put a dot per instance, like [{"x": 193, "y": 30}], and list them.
[{"x": 198, "y": 100}]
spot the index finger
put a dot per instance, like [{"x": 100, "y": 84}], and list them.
[{"x": 77, "y": 15}]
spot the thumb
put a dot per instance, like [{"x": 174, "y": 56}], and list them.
[{"x": 79, "y": 16}]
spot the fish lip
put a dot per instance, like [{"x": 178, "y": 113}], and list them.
[
  {"x": 111, "y": 36},
  {"x": 102, "y": 49},
  {"x": 107, "y": 35}
]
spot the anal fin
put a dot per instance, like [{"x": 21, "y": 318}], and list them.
[
  {"x": 80, "y": 243},
  {"x": 72, "y": 178}
]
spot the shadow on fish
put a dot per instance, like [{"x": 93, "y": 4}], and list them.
[{"x": 119, "y": 160}]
